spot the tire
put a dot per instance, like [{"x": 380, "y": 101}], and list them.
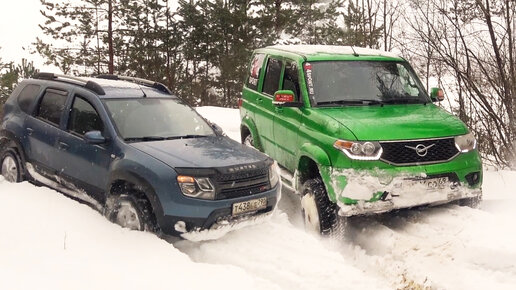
[
  {"x": 319, "y": 213},
  {"x": 132, "y": 211},
  {"x": 10, "y": 165},
  {"x": 249, "y": 141}
]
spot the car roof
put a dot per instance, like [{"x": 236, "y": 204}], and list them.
[
  {"x": 112, "y": 86},
  {"x": 329, "y": 52}
]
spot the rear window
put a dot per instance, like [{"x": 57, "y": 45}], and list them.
[
  {"x": 52, "y": 106},
  {"x": 254, "y": 72},
  {"x": 27, "y": 97}
]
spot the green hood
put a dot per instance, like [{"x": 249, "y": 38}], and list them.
[{"x": 396, "y": 122}]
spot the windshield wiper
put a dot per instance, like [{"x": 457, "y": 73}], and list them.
[
  {"x": 349, "y": 102},
  {"x": 144, "y": 139},
  {"x": 184, "y": 137}
]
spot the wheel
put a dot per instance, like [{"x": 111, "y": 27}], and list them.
[
  {"x": 11, "y": 165},
  {"x": 249, "y": 141},
  {"x": 319, "y": 213},
  {"x": 131, "y": 211}
]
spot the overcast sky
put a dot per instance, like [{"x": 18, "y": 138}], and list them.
[{"x": 19, "y": 21}]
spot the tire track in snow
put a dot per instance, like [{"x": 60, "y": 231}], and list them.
[
  {"x": 277, "y": 251},
  {"x": 447, "y": 247}
]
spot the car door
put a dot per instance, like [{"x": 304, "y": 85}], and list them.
[
  {"x": 264, "y": 114},
  {"x": 43, "y": 132},
  {"x": 287, "y": 120},
  {"x": 85, "y": 165}
]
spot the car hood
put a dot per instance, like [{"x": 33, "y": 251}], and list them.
[
  {"x": 397, "y": 122},
  {"x": 204, "y": 152}
]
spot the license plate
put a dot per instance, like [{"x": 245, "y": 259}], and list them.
[
  {"x": 432, "y": 183},
  {"x": 250, "y": 205}
]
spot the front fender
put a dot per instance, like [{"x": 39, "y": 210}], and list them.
[{"x": 309, "y": 151}]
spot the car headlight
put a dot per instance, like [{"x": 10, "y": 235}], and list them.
[
  {"x": 466, "y": 143},
  {"x": 273, "y": 175},
  {"x": 359, "y": 150},
  {"x": 196, "y": 187}
]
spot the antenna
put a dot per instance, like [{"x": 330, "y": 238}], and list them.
[{"x": 354, "y": 52}]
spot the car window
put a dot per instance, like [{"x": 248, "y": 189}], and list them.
[
  {"x": 272, "y": 76},
  {"x": 84, "y": 118},
  {"x": 52, "y": 105},
  {"x": 151, "y": 118},
  {"x": 291, "y": 79},
  {"x": 27, "y": 97},
  {"x": 254, "y": 71}
]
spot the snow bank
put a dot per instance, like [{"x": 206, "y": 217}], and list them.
[{"x": 49, "y": 241}]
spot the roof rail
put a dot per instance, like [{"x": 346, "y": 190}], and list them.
[
  {"x": 90, "y": 85},
  {"x": 159, "y": 86}
]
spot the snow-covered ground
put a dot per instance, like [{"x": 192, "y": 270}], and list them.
[{"x": 49, "y": 241}]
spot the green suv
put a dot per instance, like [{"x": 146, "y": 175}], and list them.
[{"x": 355, "y": 132}]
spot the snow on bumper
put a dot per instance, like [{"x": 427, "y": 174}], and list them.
[
  {"x": 221, "y": 227},
  {"x": 371, "y": 192}
]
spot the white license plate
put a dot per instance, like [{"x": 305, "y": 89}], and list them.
[
  {"x": 250, "y": 205},
  {"x": 432, "y": 183}
]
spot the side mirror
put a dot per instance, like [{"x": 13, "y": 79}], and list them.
[
  {"x": 285, "y": 98},
  {"x": 217, "y": 129},
  {"x": 436, "y": 94},
  {"x": 94, "y": 137}
]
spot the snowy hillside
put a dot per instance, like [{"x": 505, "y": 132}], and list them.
[{"x": 49, "y": 241}]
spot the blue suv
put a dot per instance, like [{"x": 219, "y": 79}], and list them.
[{"x": 134, "y": 151}]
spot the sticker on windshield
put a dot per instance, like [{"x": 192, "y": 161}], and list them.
[{"x": 309, "y": 80}]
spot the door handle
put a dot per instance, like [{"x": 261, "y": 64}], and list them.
[
  {"x": 30, "y": 131},
  {"x": 259, "y": 100},
  {"x": 63, "y": 145},
  {"x": 279, "y": 110}
]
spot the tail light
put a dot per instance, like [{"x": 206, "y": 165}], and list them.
[{"x": 239, "y": 102}]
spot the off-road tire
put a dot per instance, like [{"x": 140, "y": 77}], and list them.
[
  {"x": 330, "y": 223},
  {"x": 137, "y": 202},
  {"x": 249, "y": 141},
  {"x": 12, "y": 154}
]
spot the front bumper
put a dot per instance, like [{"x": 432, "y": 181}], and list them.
[
  {"x": 199, "y": 218},
  {"x": 376, "y": 187}
]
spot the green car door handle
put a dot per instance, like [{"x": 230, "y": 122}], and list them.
[{"x": 259, "y": 100}]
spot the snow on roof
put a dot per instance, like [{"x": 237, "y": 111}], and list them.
[
  {"x": 331, "y": 49},
  {"x": 113, "y": 83}
]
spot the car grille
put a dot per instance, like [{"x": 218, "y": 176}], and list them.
[
  {"x": 240, "y": 184},
  {"x": 438, "y": 150}
]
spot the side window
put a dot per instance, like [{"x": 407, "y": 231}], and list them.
[
  {"x": 27, "y": 97},
  {"x": 254, "y": 71},
  {"x": 272, "y": 76},
  {"x": 291, "y": 79},
  {"x": 84, "y": 118},
  {"x": 52, "y": 105}
]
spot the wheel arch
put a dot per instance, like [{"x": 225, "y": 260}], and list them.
[
  {"x": 312, "y": 163},
  {"x": 8, "y": 139},
  {"x": 121, "y": 178},
  {"x": 249, "y": 127}
]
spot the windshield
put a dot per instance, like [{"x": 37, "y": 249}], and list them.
[
  {"x": 333, "y": 83},
  {"x": 155, "y": 119}
]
